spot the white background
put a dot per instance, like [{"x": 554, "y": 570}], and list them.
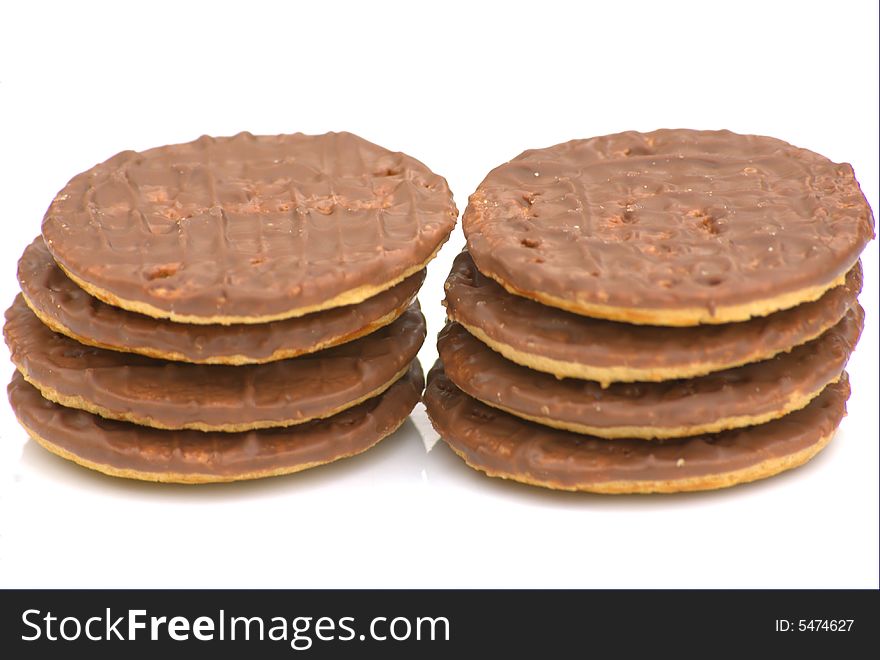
[{"x": 462, "y": 87}]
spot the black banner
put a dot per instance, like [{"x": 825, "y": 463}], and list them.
[{"x": 432, "y": 623}]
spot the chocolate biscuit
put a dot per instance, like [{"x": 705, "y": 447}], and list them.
[
  {"x": 126, "y": 450},
  {"x": 744, "y": 396},
  {"x": 248, "y": 229},
  {"x": 502, "y": 445},
  {"x": 176, "y": 395},
  {"x": 68, "y": 309},
  {"x": 673, "y": 227},
  {"x": 574, "y": 346}
]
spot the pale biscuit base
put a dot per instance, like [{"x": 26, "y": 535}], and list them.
[
  {"x": 350, "y": 297},
  {"x": 78, "y": 402},
  {"x": 235, "y": 360},
  {"x": 658, "y": 433},
  {"x": 682, "y": 316},
  {"x": 194, "y": 478},
  {"x": 761, "y": 470},
  {"x": 605, "y": 376}
]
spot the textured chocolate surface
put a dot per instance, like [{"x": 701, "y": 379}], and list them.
[
  {"x": 126, "y": 447},
  {"x": 249, "y": 227},
  {"x": 529, "y": 327},
  {"x": 668, "y": 220},
  {"x": 751, "y": 390},
  {"x": 69, "y": 309},
  {"x": 180, "y": 395},
  {"x": 502, "y": 444}
]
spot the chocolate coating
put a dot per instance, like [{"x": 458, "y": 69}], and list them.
[
  {"x": 529, "y": 327},
  {"x": 504, "y": 445},
  {"x": 69, "y": 309},
  {"x": 210, "y": 397},
  {"x": 667, "y": 220},
  {"x": 679, "y": 407},
  {"x": 142, "y": 452},
  {"x": 248, "y": 228}
]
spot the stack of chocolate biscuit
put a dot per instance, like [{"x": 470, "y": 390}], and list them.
[
  {"x": 657, "y": 312},
  {"x": 228, "y": 308}
]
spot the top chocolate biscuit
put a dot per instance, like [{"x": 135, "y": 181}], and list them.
[
  {"x": 673, "y": 227},
  {"x": 248, "y": 229}
]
